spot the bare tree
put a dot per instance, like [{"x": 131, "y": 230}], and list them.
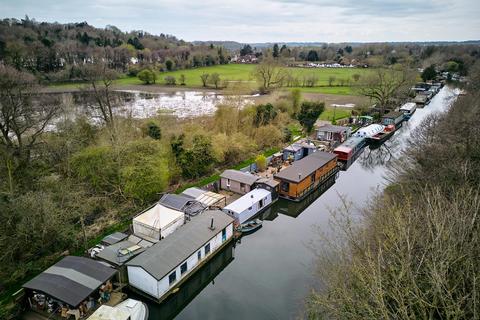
[
  {"x": 270, "y": 74},
  {"x": 100, "y": 80},
  {"x": 24, "y": 112},
  {"x": 384, "y": 85}
]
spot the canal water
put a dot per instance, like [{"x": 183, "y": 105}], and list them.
[{"x": 270, "y": 272}]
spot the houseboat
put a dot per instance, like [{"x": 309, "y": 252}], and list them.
[
  {"x": 304, "y": 176},
  {"x": 237, "y": 181},
  {"x": 162, "y": 268},
  {"x": 393, "y": 117},
  {"x": 408, "y": 109},
  {"x": 349, "y": 151},
  {"x": 368, "y": 131},
  {"x": 250, "y": 205},
  {"x": 382, "y": 136}
]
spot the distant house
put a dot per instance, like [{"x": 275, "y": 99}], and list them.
[
  {"x": 237, "y": 181},
  {"x": 333, "y": 134},
  {"x": 166, "y": 265}
]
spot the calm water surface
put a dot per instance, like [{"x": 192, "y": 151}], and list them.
[{"x": 268, "y": 274}]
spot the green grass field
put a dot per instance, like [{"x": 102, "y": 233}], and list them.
[
  {"x": 340, "y": 113},
  {"x": 243, "y": 73}
]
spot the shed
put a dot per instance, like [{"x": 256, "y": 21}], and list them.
[
  {"x": 249, "y": 205},
  {"x": 333, "y": 134},
  {"x": 157, "y": 222},
  {"x": 72, "y": 279},
  {"x": 168, "y": 263},
  {"x": 293, "y": 152},
  {"x": 237, "y": 181}
]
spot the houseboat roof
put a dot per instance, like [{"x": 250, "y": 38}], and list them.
[
  {"x": 332, "y": 128},
  {"x": 393, "y": 115},
  {"x": 247, "y": 200},
  {"x": 164, "y": 256},
  {"x": 348, "y": 145},
  {"x": 158, "y": 216},
  {"x": 205, "y": 197},
  {"x": 300, "y": 169},
  {"x": 72, "y": 279},
  {"x": 120, "y": 252},
  {"x": 369, "y": 130},
  {"x": 408, "y": 106},
  {"x": 114, "y": 238},
  {"x": 239, "y": 176}
]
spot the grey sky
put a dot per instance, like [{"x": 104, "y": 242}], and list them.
[{"x": 268, "y": 20}]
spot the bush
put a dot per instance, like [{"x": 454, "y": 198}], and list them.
[
  {"x": 170, "y": 80},
  {"x": 147, "y": 76},
  {"x": 153, "y": 130},
  {"x": 261, "y": 162}
]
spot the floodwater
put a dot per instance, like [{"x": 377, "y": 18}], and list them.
[
  {"x": 270, "y": 272},
  {"x": 140, "y": 105}
]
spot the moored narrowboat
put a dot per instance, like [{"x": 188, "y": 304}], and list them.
[
  {"x": 408, "y": 109},
  {"x": 369, "y": 131},
  {"x": 382, "y": 136},
  {"x": 394, "y": 117},
  {"x": 349, "y": 151}
]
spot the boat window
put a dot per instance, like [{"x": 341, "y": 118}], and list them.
[
  {"x": 172, "y": 277},
  {"x": 207, "y": 249},
  {"x": 250, "y": 208},
  {"x": 260, "y": 204},
  {"x": 199, "y": 255},
  {"x": 183, "y": 268},
  {"x": 224, "y": 234},
  {"x": 284, "y": 186},
  {"x": 312, "y": 177},
  {"x": 228, "y": 182}
]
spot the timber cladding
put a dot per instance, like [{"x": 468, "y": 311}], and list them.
[{"x": 295, "y": 189}]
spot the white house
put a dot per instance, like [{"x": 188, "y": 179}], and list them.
[
  {"x": 157, "y": 222},
  {"x": 249, "y": 205},
  {"x": 166, "y": 264}
]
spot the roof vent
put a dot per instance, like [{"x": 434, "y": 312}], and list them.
[
  {"x": 299, "y": 175},
  {"x": 212, "y": 227}
]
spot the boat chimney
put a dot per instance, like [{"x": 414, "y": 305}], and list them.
[
  {"x": 211, "y": 225},
  {"x": 299, "y": 175}
]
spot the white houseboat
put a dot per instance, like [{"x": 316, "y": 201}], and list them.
[
  {"x": 369, "y": 131},
  {"x": 162, "y": 268},
  {"x": 249, "y": 205},
  {"x": 408, "y": 109}
]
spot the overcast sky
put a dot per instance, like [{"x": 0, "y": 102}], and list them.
[{"x": 268, "y": 20}]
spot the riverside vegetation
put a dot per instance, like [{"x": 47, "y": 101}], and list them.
[{"x": 415, "y": 252}]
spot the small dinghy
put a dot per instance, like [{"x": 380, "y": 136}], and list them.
[{"x": 250, "y": 226}]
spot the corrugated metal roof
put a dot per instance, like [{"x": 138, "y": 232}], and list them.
[
  {"x": 72, "y": 279},
  {"x": 301, "y": 169},
  {"x": 239, "y": 176},
  {"x": 246, "y": 201},
  {"x": 164, "y": 256}
]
